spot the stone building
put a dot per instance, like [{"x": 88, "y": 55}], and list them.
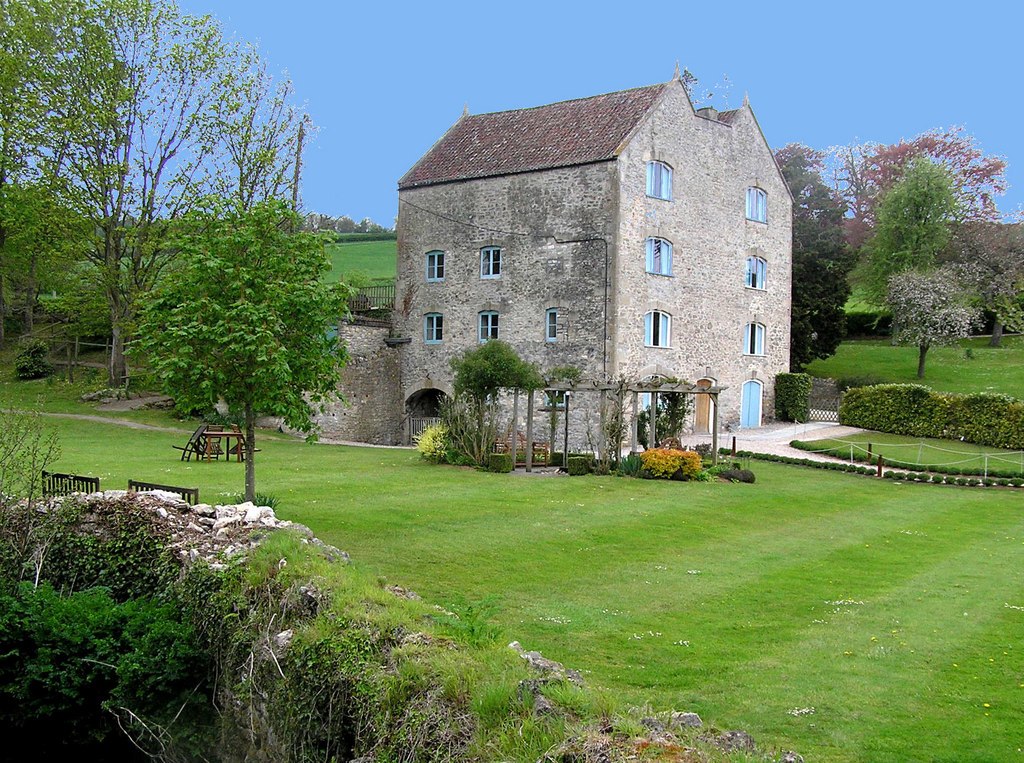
[{"x": 625, "y": 234}]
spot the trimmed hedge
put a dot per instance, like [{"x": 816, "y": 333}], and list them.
[
  {"x": 793, "y": 397},
  {"x": 499, "y": 462},
  {"x": 578, "y": 466},
  {"x": 912, "y": 409},
  {"x": 873, "y": 323}
]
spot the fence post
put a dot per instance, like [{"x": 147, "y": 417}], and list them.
[
  {"x": 879, "y": 466},
  {"x": 870, "y": 456},
  {"x": 734, "y": 446}
]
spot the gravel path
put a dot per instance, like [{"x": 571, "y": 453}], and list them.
[
  {"x": 775, "y": 438},
  {"x": 111, "y": 420}
]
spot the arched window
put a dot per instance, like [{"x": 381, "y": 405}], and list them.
[
  {"x": 757, "y": 272},
  {"x": 435, "y": 266},
  {"x": 657, "y": 329},
  {"x": 490, "y": 262},
  {"x": 551, "y": 324},
  {"x": 753, "y": 339},
  {"x": 757, "y": 205},
  {"x": 488, "y": 325},
  {"x": 659, "y": 256},
  {"x": 433, "y": 328},
  {"x": 659, "y": 180}
]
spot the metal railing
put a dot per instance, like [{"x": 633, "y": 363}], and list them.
[{"x": 418, "y": 424}]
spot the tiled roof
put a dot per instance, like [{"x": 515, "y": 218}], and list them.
[
  {"x": 728, "y": 116},
  {"x": 558, "y": 135}
]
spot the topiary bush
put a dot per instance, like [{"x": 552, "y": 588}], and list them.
[
  {"x": 31, "y": 362},
  {"x": 792, "y": 396},
  {"x": 500, "y": 463},
  {"x": 737, "y": 475},
  {"x": 578, "y": 466}
]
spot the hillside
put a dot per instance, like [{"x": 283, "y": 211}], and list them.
[{"x": 365, "y": 261}]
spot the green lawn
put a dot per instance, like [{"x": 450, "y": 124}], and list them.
[
  {"x": 926, "y": 451},
  {"x": 948, "y": 369},
  {"x": 372, "y": 261},
  {"x": 893, "y": 610}
]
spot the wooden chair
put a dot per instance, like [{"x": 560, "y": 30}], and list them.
[{"x": 196, "y": 445}]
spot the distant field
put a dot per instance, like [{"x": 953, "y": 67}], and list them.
[
  {"x": 948, "y": 369},
  {"x": 372, "y": 261}
]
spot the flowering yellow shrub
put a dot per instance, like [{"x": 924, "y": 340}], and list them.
[
  {"x": 432, "y": 443},
  {"x": 664, "y": 463}
]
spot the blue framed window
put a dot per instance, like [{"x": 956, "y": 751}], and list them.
[
  {"x": 435, "y": 266},
  {"x": 659, "y": 180},
  {"x": 757, "y": 205},
  {"x": 433, "y": 328},
  {"x": 490, "y": 262},
  {"x": 753, "y": 339},
  {"x": 488, "y": 325},
  {"x": 757, "y": 272},
  {"x": 551, "y": 324},
  {"x": 657, "y": 329},
  {"x": 659, "y": 256}
]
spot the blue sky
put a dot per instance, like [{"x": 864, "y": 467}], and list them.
[{"x": 384, "y": 80}]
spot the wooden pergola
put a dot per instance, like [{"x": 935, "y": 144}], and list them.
[{"x": 603, "y": 388}]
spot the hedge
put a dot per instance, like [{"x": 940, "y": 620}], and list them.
[
  {"x": 499, "y": 462},
  {"x": 912, "y": 409},
  {"x": 873, "y": 323},
  {"x": 578, "y": 466},
  {"x": 793, "y": 397}
]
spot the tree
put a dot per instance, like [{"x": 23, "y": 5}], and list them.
[
  {"x": 821, "y": 260},
  {"x": 246, "y": 318},
  {"x": 866, "y": 172},
  {"x": 929, "y": 308},
  {"x": 913, "y": 226}
]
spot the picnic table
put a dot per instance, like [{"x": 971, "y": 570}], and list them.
[{"x": 209, "y": 442}]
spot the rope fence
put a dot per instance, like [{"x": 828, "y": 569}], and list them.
[{"x": 987, "y": 462}]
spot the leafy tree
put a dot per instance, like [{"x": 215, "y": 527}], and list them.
[
  {"x": 913, "y": 226},
  {"x": 246, "y": 318},
  {"x": 821, "y": 259},
  {"x": 929, "y": 308},
  {"x": 866, "y": 172}
]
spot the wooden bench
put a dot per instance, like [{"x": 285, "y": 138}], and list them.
[
  {"x": 189, "y": 494},
  {"x": 541, "y": 451},
  {"x": 55, "y": 483}
]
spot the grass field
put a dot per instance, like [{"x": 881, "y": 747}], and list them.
[
  {"x": 927, "y": 451},
  {"x": 948, "y": 369},
  {"x": 371, "y": 261},
  {"x": 894, "y": 611}
]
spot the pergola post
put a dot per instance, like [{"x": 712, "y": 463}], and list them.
[
  {"x": 603, "y": 439},
  {"x": 529, "y": 431},
  {"x": 652, "y": 437},
  {"x": 714, "y": 429},
  {"x": 515, "y": 426},
  {"x": 633, "y": 444},
  {"x": 565, "y": 441}
]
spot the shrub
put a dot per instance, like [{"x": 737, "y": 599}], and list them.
[
  {"x": 737, "y": 475},
  {"x": 31, "y": 362},
  {"x": 792, "y": 396},
  {"x": 578, "y": 466},
  {"x": 660, "y": 463},
  {"x": 630, "y": 465},
  {"x": 877, "y": 323},
  {"x": 499, "y": 462},
  {"x": 432, "y": 443},
  {"x": 556, "y": 458},
  {"x": 690, "y": 464}
]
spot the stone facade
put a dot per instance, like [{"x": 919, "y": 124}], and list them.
[{"x": 573, "y": 238}]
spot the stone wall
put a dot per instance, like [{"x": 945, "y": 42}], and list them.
[
  {"x": 713, "y": 162},
  {"x": 370, "y": 383}
]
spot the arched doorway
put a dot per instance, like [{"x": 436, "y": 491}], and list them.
[
  {"x": 750, "y": 407},
  {"x": 423, "y": 409},
  {"x": 703, "y": 409}
]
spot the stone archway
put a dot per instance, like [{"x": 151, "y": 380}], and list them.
[{"x": 422, "y": 409}]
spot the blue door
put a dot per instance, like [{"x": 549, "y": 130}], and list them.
[{"x": 750, "y": 410}]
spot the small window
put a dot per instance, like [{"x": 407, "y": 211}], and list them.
[
  {"x": 753, "y": 339},
  {"x": 757, "y": 205},
  {"x": 659, "y": 256},
  {"x": 435, "y": 266},
  {"x": 433, "y": 328},
  {"x": 757, "y": 270},
  {"x": 490, "y": 262},
  {"x": 551, "y": 325},
  {"x": 656, "y": 329},
  {"x": 488, "y": 325},
  {"x": 659, "y": 180}
]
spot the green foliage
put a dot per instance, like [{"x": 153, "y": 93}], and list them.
[
  {"x": 913, "y": 409},
  {"x": 499, "y": 462},
  {"x": 673, "y": 408},
  {"x": 89, "y": 665},
  {"x": 31, "y": 361},
  {"x": 260, "y": 499},
  {"x": 792, "y": 396},
  {"x": 472, "y": 425},
  {"x": 863, "y": 323},
  {"x": 578, "y": 466},
  {"x": 912, "y": 226},
  {"x": 630, "y": 465},
  {"x": 433, "y": 443},
  {"x": 738, "y": 475},
  {"x": 492, "y": 367}
]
